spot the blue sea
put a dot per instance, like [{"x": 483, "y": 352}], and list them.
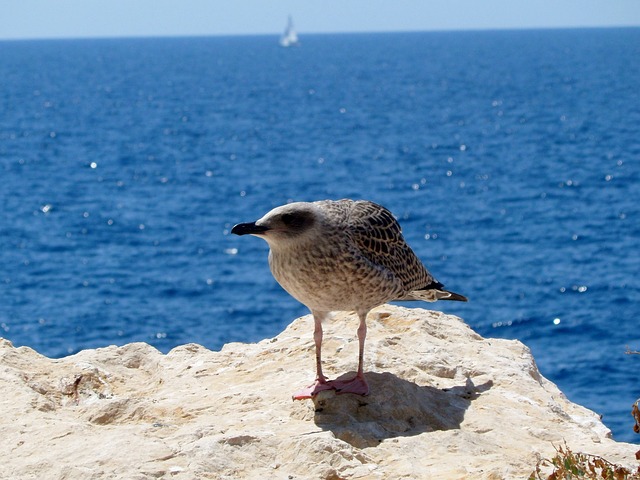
[{"x": 511, "y": 159}]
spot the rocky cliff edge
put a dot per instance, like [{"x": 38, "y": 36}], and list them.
[{"x": 444, "y": 403}]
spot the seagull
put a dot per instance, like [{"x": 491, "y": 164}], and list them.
[{"x": 342, "y": 255}]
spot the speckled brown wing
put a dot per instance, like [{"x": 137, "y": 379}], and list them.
[{"x": 378, "y": 236}]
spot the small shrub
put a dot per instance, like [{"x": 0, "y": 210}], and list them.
[{"x": 568, "y": 465}]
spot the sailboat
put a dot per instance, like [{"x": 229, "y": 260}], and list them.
[{"x": 289, "y": 38}]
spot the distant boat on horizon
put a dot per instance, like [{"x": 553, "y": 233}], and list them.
[{"x": 289, "y": 38}]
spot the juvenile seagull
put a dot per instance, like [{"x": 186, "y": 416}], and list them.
[{"x": 342, "y": 255}]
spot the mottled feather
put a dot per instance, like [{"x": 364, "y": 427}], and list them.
[{"x": 377, "y": 235}]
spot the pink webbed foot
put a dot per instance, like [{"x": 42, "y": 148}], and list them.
[
  {"x": 313, "y": 389},
  {"x": 357, "y": 385}
]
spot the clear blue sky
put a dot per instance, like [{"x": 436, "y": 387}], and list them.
[{"x": 115, "y": 18}]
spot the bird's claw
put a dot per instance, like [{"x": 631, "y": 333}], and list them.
[
  {"x": 356, "y": 385},
  {"x": 313, "y": 390}
]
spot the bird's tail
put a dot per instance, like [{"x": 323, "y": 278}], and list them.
[{"x": 434, "y": 294}]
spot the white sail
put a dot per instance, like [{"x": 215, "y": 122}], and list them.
[{"x": 289, "y": 38}]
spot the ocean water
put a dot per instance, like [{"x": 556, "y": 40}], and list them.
[{"x": 511, "y": 159}]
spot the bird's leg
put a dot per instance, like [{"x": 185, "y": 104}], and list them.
[
  {"x": 321, "y": 382},
  {"x": 358, "y": 384}
]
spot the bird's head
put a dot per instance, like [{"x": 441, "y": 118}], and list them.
[{"x": 283, "y": 225}]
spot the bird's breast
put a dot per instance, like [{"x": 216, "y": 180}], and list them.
[{"x": 323, "y": 279}]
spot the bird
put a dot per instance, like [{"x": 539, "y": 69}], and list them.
[{"x": 342, "y": 255}]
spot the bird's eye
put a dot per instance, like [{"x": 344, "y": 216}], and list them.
[
  {"x": 288, "y": 219},
  {"x": 296, "y": 221}
]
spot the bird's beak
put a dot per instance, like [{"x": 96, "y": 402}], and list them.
[{"x": 249, "y": 229}]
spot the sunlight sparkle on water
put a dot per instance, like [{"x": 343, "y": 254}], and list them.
[{"x": 507, "y": 323}]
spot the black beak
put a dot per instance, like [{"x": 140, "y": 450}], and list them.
[{"x": 248, "y": 229}]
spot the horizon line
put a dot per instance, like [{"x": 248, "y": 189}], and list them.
[{"x": 311, "y": 33}]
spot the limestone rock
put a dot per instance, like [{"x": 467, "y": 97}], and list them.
[{"x": 444, "y": 403}]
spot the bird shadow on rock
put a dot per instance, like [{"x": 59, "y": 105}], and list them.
[{"x": 394, "y": 408}]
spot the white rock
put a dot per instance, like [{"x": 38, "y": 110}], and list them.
[{"x": 444, "y": 403}]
